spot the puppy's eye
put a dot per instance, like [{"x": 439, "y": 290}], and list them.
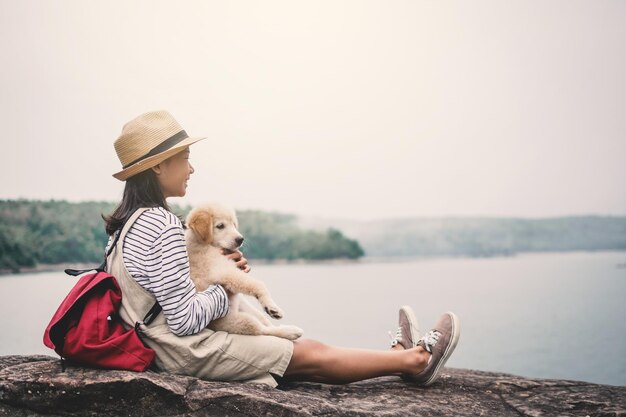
[{"x": 220, "y": 226}]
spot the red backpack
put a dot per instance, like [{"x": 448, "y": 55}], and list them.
[{"x": 86, "y": 329}]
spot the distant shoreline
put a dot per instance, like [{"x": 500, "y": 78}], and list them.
[
  {"x": 339, "y": 261},
  {"x": 46, "y": 268},
  {"x": 62, "y": 267}
]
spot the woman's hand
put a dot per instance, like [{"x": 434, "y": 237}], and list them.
[{"x": 240, "y": 261}]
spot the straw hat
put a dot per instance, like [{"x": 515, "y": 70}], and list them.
[{"x": 147, "y": 141}]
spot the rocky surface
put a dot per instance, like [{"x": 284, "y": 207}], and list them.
[{"x": 37, "y": 386}]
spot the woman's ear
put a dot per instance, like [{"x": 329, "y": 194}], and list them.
[
  {"x": 201, "y": 222},
  {"x": 157, "y": 169}
]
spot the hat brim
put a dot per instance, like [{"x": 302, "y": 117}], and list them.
[{"x": 148, "y": 163}]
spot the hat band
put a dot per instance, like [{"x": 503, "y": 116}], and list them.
[{"x": 161, "y": 147}]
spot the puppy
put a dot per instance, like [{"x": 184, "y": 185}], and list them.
[{"x": 211, "y": 228}]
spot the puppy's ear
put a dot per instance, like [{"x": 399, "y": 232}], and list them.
[
  {"x": 233, "y": 215},
  {"x": 201, "y": 222}
]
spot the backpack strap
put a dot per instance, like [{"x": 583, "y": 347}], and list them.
[
  {"x": 102, "y": 267},
  {"x": 150, "y": 315}
]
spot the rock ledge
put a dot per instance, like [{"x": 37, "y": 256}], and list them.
[{"x": 36, "y": 386}]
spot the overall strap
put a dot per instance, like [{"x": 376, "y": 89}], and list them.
[
  {"x": 156, "y": 307},
  {"x": 121, "y": 234}
]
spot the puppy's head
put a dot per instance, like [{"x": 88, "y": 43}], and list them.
[{"x": 215, "y": 225}]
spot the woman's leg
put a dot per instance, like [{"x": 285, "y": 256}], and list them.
[{"x": 315, "y": 361}]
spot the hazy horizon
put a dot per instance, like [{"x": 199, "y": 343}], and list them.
[
  {"x": 311, "y": 219},
  {"x": 360, "y": 110}
]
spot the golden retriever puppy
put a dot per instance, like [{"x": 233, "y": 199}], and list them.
[{"x": 211, "y": 228}]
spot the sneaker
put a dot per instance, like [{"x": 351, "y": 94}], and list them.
[
  {"x": 440, "y": 342},
  {"x": 408, "y": 332}
]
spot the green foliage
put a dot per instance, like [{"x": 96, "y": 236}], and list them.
[
  {"x": 57, "y": 232},
  {"x": 276, "y": 236},
  {"x": 52, "y": 232},
  {"x": 12, "y": 253}
]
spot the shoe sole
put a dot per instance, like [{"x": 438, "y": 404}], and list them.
[
  {"x": 408, "y": 311},
  {"x": 456, "y": 332}
]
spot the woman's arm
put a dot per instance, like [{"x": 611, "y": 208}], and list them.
[
  {"x": 187, "y": 311},
  {"x": 156, "y": 256}
]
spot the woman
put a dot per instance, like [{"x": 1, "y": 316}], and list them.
[{"x": 150, "y": 262}]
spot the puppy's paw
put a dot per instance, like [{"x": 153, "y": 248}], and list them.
[
  {"x": 274, "y": 311},
  {"x": 291, "y": 332}
]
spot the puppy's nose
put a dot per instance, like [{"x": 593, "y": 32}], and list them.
[{"x": 239, "y": 241}]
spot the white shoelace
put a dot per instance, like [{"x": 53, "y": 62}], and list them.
[
  {"x": 430, "y": 339},
  {"x": 396, "y": 339}
]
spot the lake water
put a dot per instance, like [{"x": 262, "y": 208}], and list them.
[{"x": 553, "y": 315}]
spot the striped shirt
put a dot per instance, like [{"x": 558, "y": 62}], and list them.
[{"x": 155, "y": 255}]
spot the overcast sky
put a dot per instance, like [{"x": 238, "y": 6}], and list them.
[{"x": 355, "y": 109}]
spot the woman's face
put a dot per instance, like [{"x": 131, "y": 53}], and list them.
[{"x": 173, "y": 174}]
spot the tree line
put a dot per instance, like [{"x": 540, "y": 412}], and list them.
[
  {"x": 486, "y": 237},
  {"x": 57, "y": 232}
]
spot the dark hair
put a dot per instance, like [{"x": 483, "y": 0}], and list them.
[{"x": 141, "y": 190}]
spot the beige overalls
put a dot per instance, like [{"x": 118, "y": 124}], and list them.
[{"x": 209, "y": 355}]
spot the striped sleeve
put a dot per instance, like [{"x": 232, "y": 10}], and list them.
[{"x": 155, "y": 255}]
